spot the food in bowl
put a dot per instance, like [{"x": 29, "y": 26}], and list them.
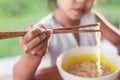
[
  {"x": 85, "y": 66},
  {"x": 87, "y": 69}
]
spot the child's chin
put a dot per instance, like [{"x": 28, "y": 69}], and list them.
[{"x": 78, "y": 17}]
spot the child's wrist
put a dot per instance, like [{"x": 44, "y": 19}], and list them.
[
  {"x": 118, "y": 47},
  {"x": 117, "y": 43},
  {"x": 36, "y": 55}
]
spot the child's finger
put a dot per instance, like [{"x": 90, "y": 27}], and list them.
[
  {"x": 30, "y": 27},
  {"x": 40, "y": 46},
  {"x": 42, "y": 51},
  {"x": 31, "y": 34},
  {"x": 35, "y": 41},
  {"x": 39, "y": 52}
]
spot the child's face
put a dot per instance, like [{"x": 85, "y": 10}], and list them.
[{"x": 75, "y": 9}]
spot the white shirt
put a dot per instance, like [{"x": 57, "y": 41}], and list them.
[{"x": 62, "y": 42}]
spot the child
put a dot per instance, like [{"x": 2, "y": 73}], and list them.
[{"x": 68, "y": 13}]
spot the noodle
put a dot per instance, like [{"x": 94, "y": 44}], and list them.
[{"x": 98, "y": 63}]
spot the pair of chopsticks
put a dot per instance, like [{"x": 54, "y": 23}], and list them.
[{"x": 72, "y": 29}]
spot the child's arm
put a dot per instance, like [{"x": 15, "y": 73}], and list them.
[
  {"x": 35, "y": 45},
  {"x": 26, "y": 67},
  {"x": 109, "y": 32}
]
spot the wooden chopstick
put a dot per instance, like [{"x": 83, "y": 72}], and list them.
[
  {"x": 78, "y": 26},
  {"x": 5, "y": 35},
  {"x": 73, "y": 31}
]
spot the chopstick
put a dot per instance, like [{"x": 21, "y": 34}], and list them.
[
  {"x": 6, "y": 35},
  {"x": 73, "y": 29},
  {"x": 78, "y": 26}
]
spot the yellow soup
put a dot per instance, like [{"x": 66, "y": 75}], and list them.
[{"x": 90, "y": 57}]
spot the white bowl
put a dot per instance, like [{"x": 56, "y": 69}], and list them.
[{"x": 64, "y": 57}]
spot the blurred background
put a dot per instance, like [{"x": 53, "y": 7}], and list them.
[{"x": 17, "y": 15}]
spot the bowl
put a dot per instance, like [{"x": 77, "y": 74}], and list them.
[{"x": 75, "y": 55}]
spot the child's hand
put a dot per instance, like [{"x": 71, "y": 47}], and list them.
[{"x": 36, "y": 41}]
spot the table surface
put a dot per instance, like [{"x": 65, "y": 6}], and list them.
[{"x": 51, "y": 74}]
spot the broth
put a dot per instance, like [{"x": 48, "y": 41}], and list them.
[{"x": 87, "y": 69}]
